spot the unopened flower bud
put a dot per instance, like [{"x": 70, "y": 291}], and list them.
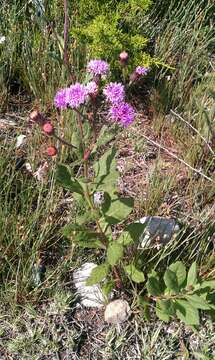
[
  {"x": 48, "y": 128},
  {"x": 51, "y": 151},
  {"x": 123, "y": 57},
  {"x": 37, "y": 117}
]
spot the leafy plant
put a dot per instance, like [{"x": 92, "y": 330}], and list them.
[{"x": 180, "y": 293}]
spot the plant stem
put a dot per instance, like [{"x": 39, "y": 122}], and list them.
[
  {"x": 64, "y": 141},
  {"x": 104, "y": 240}
]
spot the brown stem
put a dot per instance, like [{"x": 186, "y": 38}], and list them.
[
  {"x": 117, "y": 278},
  {"x": 93, "y": 121},
  {"x": 80, "y": 129}
]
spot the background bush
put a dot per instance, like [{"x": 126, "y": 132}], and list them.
[{"x": 109, "y": 27}]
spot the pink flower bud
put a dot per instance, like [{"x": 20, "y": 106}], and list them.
[
  {"x": 123, "y": 57},
  {"x": 48, "y": 128},
  {"x": 51, "y": 151}
]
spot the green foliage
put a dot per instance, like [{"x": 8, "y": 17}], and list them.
[
  {"x": 31, "y": 57},
  {"x": 153, "y": 284},
  {"x": 98, "y": 274},
  {"x": 114, "y": 253},
  {"x": 83, "y": 237},
  {"x": 136, "y": 275},
  {"x": 183, "y": 295},
  {"x": 184, "y": 35},
  {"x": 63, "y": 176},
  {"x": 108, "y": 28}
]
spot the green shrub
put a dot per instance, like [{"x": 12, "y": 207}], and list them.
[{"x": 109, "y": 27}]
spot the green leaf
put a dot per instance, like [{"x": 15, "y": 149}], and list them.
[
  {"x": 171, "y": 280},
  {"x": 125, "y": 238},
  {"x": 105, "y": 136},
  {"x": 135, "y": 230},
  {"x": 119, "y": 210},
  {"x": 87, "y": 217},
  {"x": 197, "y": 302},
  {"x": 186, "y": 312},
  {"x": 192, "y": 275},
  {"x": 135, "y": 274},
  {"x": 83, "y": 237},
  {"x": 145, "y": 305},
  {"x": 210, "y": 284},
  {"x": 161, "y": 311},
  {"x": 107, "y": 288},
  {"x": 106, "y": 162},
  {"x": 114, "y": 253},
  {"x": 106, "y": 175},
  {"x": 153, "y": 286},
  {"x": 63, "y": 176},
  {"x": 98, "y": 274},
  {"x": 180, "y": 271}
]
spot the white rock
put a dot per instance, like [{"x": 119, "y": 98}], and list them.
[
  {"x": 2, "y": 39},
  {"x": 91, "y": 296},
  {"x": 41, "y": 172},
  {"x": 117, "y": 311},
  {"x": 20, "y": 140},
  {"x": 28, "y": 167}
]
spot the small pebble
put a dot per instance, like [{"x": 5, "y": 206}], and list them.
[{"x": 117, "y": 311}]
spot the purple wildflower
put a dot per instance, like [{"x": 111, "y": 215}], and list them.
[
  {"x": 98, "y": 67},
  {"x": 123, "y": 113},
  {"x": 60, "y": 99},
  {"x": 76, "y": 95},
  {"x": 140, "y": 70},
  {"x": 92, "y": 88},
  {"x": 114, "y": 92}
]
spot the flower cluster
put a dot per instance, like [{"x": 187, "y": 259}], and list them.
[
  {"x": 60, "y": 99},
  {"x": 98, "y": 67},
  {"x": 114, "y": 92},
  {"x": 119, "y": 111},
  {"x": 74, "y": 96},
  {"x": 77, "y": 94},
  {"x": 122, "y": 112},
  {"x": 141, "y": 70}
]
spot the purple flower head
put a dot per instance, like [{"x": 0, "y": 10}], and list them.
[
  {"x": 123, "y": 113},
  {"x": 76, "y": 95},
  {"x": 140, "y": 70},
  {"x": 60, "y": 99},
  {"x": 114, "y": 92},
  {"x": 92, "y": 88},
  {"x": 98, "y": 67}
]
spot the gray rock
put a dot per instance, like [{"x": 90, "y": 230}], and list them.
[
  {"x": 117, "y": 311},
  {"x": 158, "y": 231}
]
